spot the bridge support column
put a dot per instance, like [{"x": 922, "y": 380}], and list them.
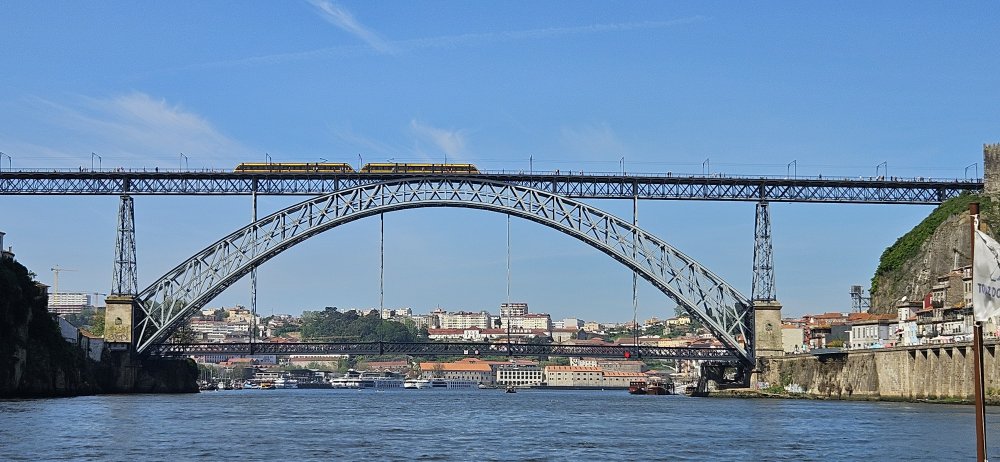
[
  {"x": 125, "y": 281},
  {"x": 121, "y": 304},
  {"x": 767, "y": 336},
  {"x": 118, "y": 322},
  {"x": 763, "y": 259}
]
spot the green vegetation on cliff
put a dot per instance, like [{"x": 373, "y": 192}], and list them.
[{"x": 908, "y": 245}]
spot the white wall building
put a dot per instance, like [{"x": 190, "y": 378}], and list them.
[
  {"x": 465, "y": 320},
  {"x": 70, "y": 302},
  {"x": 513, "y": 309},
  {"x": 519, "y": 375}
]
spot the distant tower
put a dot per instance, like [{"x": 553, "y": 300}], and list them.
[
  {"x": 991, "y": 169},
  {"x": 859, "y": 301}
]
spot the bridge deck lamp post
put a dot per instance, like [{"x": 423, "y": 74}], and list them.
[
  {"x": 885, "y": 169},
  {"x": 974, "y": 164},
  {"x": 100, "y": 161},
  {"x": 8, "y": 161},
  {"x": 182, "y": 161}
]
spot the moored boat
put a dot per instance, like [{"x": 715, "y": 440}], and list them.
[
  {"x": 651, "y": 387},
  {"x": 453, "y": 383},
  {"x": 416, "y": 384}
]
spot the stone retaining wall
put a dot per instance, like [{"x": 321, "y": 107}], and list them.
[{"x": 925, "y": 372}]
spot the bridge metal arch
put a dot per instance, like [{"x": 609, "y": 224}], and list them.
[{"x": 184, "y": 290}]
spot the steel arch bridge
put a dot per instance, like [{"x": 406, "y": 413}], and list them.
[{"x": 184, "y": 290}]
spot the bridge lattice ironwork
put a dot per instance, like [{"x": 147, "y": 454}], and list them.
[
  {"x": 582, "y": 186},
  {"x": 442, "y": 349},
  {"x": 181, "y": 292}
]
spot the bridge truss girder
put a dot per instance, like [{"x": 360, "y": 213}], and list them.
[
  {"x": 601, "y": 186},
  {"x": 442, "y": 349},
  {"x": 181, "y": 292}
]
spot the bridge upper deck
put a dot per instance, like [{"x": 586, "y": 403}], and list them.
[{"x": 871, "y": 190}]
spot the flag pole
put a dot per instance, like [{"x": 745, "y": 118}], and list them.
[{"x": 977, "y": 350}]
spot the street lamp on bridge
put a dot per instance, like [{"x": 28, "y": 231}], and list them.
[
  {"x": 885, "y": 169},
  {"x": 100, "y": 161},
  {"x": 8, "y": 161},
  {"x": 183, "y": 161},
  {"x": 974, "y": 164}
]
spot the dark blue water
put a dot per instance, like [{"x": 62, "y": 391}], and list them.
[{"x": 438, "y": 425}]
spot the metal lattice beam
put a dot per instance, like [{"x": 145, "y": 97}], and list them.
[
  {"x": 597, "y": 186},
  {"x": 180, "y": 293},
  {"x": 124, "y": 281},
  {"x": 439, "y": 349},
  {"x": 763, "y": 260}
]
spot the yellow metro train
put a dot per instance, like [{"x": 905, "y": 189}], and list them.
[{"x": 293, "y": 167}]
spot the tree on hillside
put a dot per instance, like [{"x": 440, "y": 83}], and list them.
[{"x": 331, "y": 324}]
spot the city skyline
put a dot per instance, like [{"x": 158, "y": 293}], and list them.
[{"x": 689, "y": 88}]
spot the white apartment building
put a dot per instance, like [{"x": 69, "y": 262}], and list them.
[
  {"x": 531, "y": 321},
  {"x": 519, "y": 375},
  {"x": 513, "y": 309},
  {"x": 615, "y": 365},
  {"x": 70, "y": 302},
  {"x": 465, "y": 320}
]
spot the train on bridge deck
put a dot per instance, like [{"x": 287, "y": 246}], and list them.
[{"x": 341, "y": 167}]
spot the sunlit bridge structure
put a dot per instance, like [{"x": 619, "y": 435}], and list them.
[
  {"x": 149, "y": 317},
  {"x": 183, "y": 291}
]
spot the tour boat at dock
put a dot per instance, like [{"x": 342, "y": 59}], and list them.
[{"x": 652, "y": 387}]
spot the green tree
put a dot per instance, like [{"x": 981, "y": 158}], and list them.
[
  {"x": 184, "y": 334},
  {"x": 333, "y": 325}
]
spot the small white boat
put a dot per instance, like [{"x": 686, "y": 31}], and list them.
[{"x": 285, "y": 382}]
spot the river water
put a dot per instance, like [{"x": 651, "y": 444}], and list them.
[{"x": 444, "y": 425}]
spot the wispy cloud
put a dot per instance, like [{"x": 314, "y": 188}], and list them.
[
  {"x": 593, "y": 141},
  {"x": 127, "y": 129},
  {"x": 367, "y": 145},
  {"x": 344, "y": 20},
  {"x": 450, "y": 142},
  {"x": 446, "y": 41}
]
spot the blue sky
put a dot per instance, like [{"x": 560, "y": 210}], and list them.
[{"x": 837, "y": 88}]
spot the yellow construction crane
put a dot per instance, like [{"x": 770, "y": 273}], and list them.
[{"x": 55, "y": 271}]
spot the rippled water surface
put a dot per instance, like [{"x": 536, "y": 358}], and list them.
[{"x": 273, "y": 425}]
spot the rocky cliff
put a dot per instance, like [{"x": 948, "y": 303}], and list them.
[
  {"x": 910, "y": 267},
  {"x": 34, "y": 358},
  {"x": 36, "y": 361}
]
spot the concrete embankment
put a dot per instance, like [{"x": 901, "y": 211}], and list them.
[{"x": 929, "y": 372}]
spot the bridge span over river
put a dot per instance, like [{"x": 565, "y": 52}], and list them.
[{"x": 141, "y": 321}]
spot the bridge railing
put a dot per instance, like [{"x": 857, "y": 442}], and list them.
[
  {"x": 443, "y": 349},
  {"x": 519, "y": 172}
]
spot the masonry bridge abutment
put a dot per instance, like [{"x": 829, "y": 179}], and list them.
[{"x": 161, "y": 308}]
